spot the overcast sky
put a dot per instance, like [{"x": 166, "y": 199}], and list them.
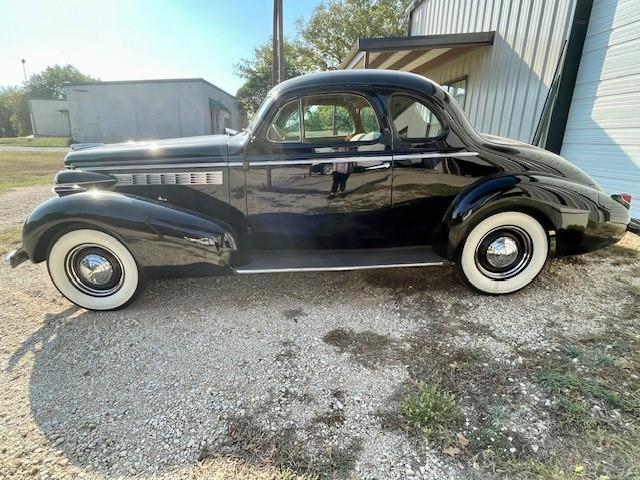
[{"x": 138, "y": 39}]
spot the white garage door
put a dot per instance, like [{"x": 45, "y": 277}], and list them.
[{"x": 603, "y": 129}]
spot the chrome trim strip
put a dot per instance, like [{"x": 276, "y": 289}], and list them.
[
  {"x": 336, "y": 269},
  {"x": 264, "y": 163},
  {"x": 409, "y": 156},
  {"x": 319, "y": 161},
  {"x": 156, "y": 166}
]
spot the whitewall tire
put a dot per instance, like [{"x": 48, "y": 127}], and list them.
[
  {"x": 503, "y": 253},
  {"x": 94, "y": 270}
]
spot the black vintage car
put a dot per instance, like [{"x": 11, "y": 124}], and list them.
[{"x": 337, "y": 171}]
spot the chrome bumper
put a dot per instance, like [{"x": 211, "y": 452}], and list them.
[{"x": 16, "y": 257}]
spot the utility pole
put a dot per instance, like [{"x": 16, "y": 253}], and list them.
[
  {"x": 277, "y": 75},
  {"x": 24, "y": 70},
  {"x": 26, "y": 81}
]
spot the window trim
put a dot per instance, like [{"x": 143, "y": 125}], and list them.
[
  {"x": 321, "y": 141},
  {"x": 429, "y": 104},
  {"x": 273, "y": 117},
  {"x": 456, "y": 80}
]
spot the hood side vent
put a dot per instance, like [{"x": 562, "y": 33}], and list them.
[{"x": 182, "y": 178}]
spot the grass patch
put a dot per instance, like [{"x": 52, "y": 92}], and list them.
[
  {"x": 36, "y": 141},
  {"x": 433, "y": 412},
  {"x": 9, "y": 239},
  {"x": 535, "y": 469},
  {"x": 24, "y": 169},
  {"x": 557, "y": 381}
]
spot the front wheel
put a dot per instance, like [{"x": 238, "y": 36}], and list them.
[
  {"x": 503, "y": 253},
  {"x": 94, "y": 270}
]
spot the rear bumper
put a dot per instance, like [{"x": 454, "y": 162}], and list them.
[{"x": 16, "y": 257}]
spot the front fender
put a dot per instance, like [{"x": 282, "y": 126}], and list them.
[
  {"x": 157, "y": 234},
  {"x": 580, "y": 218}
]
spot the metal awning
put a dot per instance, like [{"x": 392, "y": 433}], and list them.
[
  {"x": 217, "y": 105},
  {"x": 415, "y": 53}
]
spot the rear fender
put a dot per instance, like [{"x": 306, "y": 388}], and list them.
[
  {"x": 157, "y": 234},
  {"x": 576, "y": 217}
]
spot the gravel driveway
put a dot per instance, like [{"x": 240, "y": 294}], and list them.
[{"x": 253, "y": 376}]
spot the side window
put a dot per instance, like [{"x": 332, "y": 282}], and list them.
[
  {"x": 285, "y": 127},
  {"x": 413, "y": 119},
  {"x": 343, "y": 116}
]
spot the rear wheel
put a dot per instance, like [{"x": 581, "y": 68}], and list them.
[
  {"x": 94, "y": 270},
  {"x": 503, "y": 253}
]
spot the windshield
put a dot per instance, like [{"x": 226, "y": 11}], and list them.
[{"x": 259, "y": 113}]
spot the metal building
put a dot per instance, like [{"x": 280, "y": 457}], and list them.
[
  {"x": 149, "y": 109},
  {"x": 562, "y": 74},
  {"x": 50, "y": 118}
]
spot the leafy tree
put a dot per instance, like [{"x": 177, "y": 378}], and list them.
[
  {"x": 322, "y": 42},
  {"x": 14, "y": 112},
  {"x": 335, "y": 26},
  {"x": 14, "y": 101},
  {"x": 49, "y": 83},
  {"x": 257, "y": 72}
]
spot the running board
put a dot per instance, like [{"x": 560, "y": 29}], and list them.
[{"x": 271, "y": 261}]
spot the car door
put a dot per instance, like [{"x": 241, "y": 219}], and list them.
[
  {"x": 318, "y": 174},
  {"x": 431, "y": 165}
]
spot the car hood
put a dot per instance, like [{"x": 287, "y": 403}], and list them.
[
  {"x": 176, "y": 150},
  {"x": 535, "y": 159}
]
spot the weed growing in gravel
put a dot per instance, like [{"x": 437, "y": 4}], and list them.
[
  {"x": 433, "y": 412},
  {"x": 557, "y": 381}
]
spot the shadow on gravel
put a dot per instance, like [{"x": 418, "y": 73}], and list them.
[{"x": 192, "y": 372}]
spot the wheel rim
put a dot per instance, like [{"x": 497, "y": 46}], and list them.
[
  {"x": 504, "y": 252},
  {"x": 94, "y": 270}
]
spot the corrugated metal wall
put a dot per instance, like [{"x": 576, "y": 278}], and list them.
[
  {"x": 50, "y": 117},
  {"x": 509, "y": 81},
  {"x": 603, "y": 129}
]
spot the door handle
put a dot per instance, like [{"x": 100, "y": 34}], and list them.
[{"x": 378, "y": 167}]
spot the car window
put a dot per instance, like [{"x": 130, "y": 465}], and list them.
[
  {"x": 338, "y": 116},
  {"x": 413, "y": 119},
  {"x": 285, "y": 126}
]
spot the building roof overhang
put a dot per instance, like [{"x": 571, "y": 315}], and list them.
[{"x": 413, "y": 53}]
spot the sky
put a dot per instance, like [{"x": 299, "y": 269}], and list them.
[{"x": 138, "y": 39}]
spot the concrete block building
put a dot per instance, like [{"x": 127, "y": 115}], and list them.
[{"x": 149, "y": 109}]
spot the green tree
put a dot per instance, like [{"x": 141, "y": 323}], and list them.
[
  {"x": 335, "y": 26},
  {"x": 322, "y": 42},
  {"x": 257, "y": 69},
  {"x": 14, "y": 112},
  {"x": 50, "y": 82}
]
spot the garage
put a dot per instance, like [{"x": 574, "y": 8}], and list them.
[{"x": 603, "y": 128}]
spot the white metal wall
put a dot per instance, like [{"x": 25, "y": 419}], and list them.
[
  {"x": 146, "y": 110},
  {"x": 51, "y": 117},
  {"x": 509, "y": 81},
  {"x": 603, "y": 129}
]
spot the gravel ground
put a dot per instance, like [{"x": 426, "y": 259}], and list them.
[{"x": 242, "y": 377}]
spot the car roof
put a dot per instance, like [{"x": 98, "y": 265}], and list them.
[{"x": 360, "y": 77}]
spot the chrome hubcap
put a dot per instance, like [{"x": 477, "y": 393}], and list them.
[
  {"x": 96, "y": 269},
  {"x": 502, "y": 252}
]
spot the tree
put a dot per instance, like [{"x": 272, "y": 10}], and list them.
[
  {"x": 335, "y": 26},
  {"x": 257, "y": 72},
  {"x": 50, "y": 82},
  {"x": 14, "y": 101},
  {"x": 322, "y": 42},
  {"x": 14, "y": 112}
]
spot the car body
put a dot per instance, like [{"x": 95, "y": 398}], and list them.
[{"x": 337, "y": 170}]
